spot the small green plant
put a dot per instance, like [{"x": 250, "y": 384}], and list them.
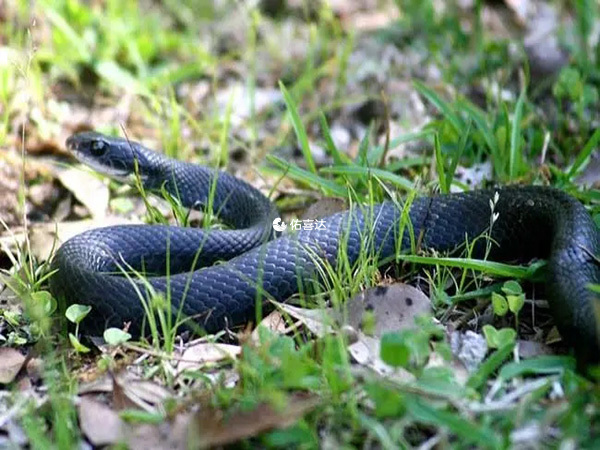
[
  {"x": 395, "y": 351},
  {"x": 512, "y": 299},
  {"x": 499, "y": 338},
  {"x": 410, "y": 347},
  {"x": 75, "y": 314},
  {"x": 572, "y": 87},
  {"x": 116, "y": 336}
]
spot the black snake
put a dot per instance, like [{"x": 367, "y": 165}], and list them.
[{"x": 533, "y": 221}]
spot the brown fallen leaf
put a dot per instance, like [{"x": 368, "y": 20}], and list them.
[
  {"x": 34, "y": 368},
  {"x": 531, "y": 349},
  {"x": 90, "y": 190},
  {"x": 161, "y": 436},
  {"x": 45, "y": 238},
  {"x": 128, "y": 391},
  {"x": 274, "y": 322},
  {"x": 365, "y": 351},
  {"x": 210, "y": 427},
  {"x": 318, "y": 321},
  {"x": 99, "y": 423},
  {"x": 102, "y": 426},
  {"x": 196, "y": 356},
  {"x": 131, "y": 392},
  {"x": 392, "y": 307},
  {"x": 102, "y": 384},
  {"x": 11, "y": 362}
]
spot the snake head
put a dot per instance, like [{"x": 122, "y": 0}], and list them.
[{"x": 112, "y": 156}]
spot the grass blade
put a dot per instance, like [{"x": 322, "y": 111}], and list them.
[
  {"x": 584, "y": 154},
  {"x": 116, "y": 75},
  {"x": 442, "y": 105},
  {"x": 338, "y": 157},
  {"x": 363, "y": 147},
  {"x": 467, "y": 430},
  {"x": 408, "y": 162},
  {"x": 478, "y": 116},
  {"x": 490, "y": 267},
  {"x": 304, "y": 176},
  {"x": 490, "y": 365},
  {"x": 367, "y": 172},
  {"x": 78, "y": 43},
  {"x": 462, "y": 144},
  {"x": 439, "y": 163},
  {"x": 515, "y": 136},
  {"x": 376, "y": 152},
  {"x": 299, "y": 128},
  {"x": 547, "y": 364}
]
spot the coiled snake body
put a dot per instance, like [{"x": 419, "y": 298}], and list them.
[{"x": 533, "y": 222}]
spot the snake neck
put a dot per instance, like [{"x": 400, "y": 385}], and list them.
[
  {"x": 151, "y": 167},
  {"x": 235, "y": 202}
]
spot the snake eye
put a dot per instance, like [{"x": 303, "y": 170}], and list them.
[{"x": 98, "y": 148}]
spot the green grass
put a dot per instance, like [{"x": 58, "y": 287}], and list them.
[{"x": 119, "y": 49}]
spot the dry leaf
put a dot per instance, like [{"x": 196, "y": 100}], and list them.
[
  {"x": 103, "y": 426},
  {"x": 91, "y": 191},
  {"x": 542, "y": 43},
  {"x": 274, "y": 322},
  {"x": 318, "y": 321},
  {"x": 45, "y": 238},
  {"x": 365, "y": 351},
  {"x": 10, "y": 180},
  {"x": 161, "y": 436},
  {"x": 130, "y": 392},
  {"x": 100, "y": 424},
  {"x": 531, "y": 349},
  {"x": 210, "y": 427},
  {"x": 11, "y": 362},
  {"x": 392, "y": 307},
  {"x": 12, "y": 435},
  {"x": 101, "y": 384},
  {"x": 198, "y": 355}
]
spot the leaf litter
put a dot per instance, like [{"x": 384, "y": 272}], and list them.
[{"x": 374, "y": 67}]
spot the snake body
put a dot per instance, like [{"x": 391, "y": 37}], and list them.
[{"x": 532, "y": 221}]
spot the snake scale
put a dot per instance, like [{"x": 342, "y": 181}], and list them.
[{"x": 533, "y": 221}]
